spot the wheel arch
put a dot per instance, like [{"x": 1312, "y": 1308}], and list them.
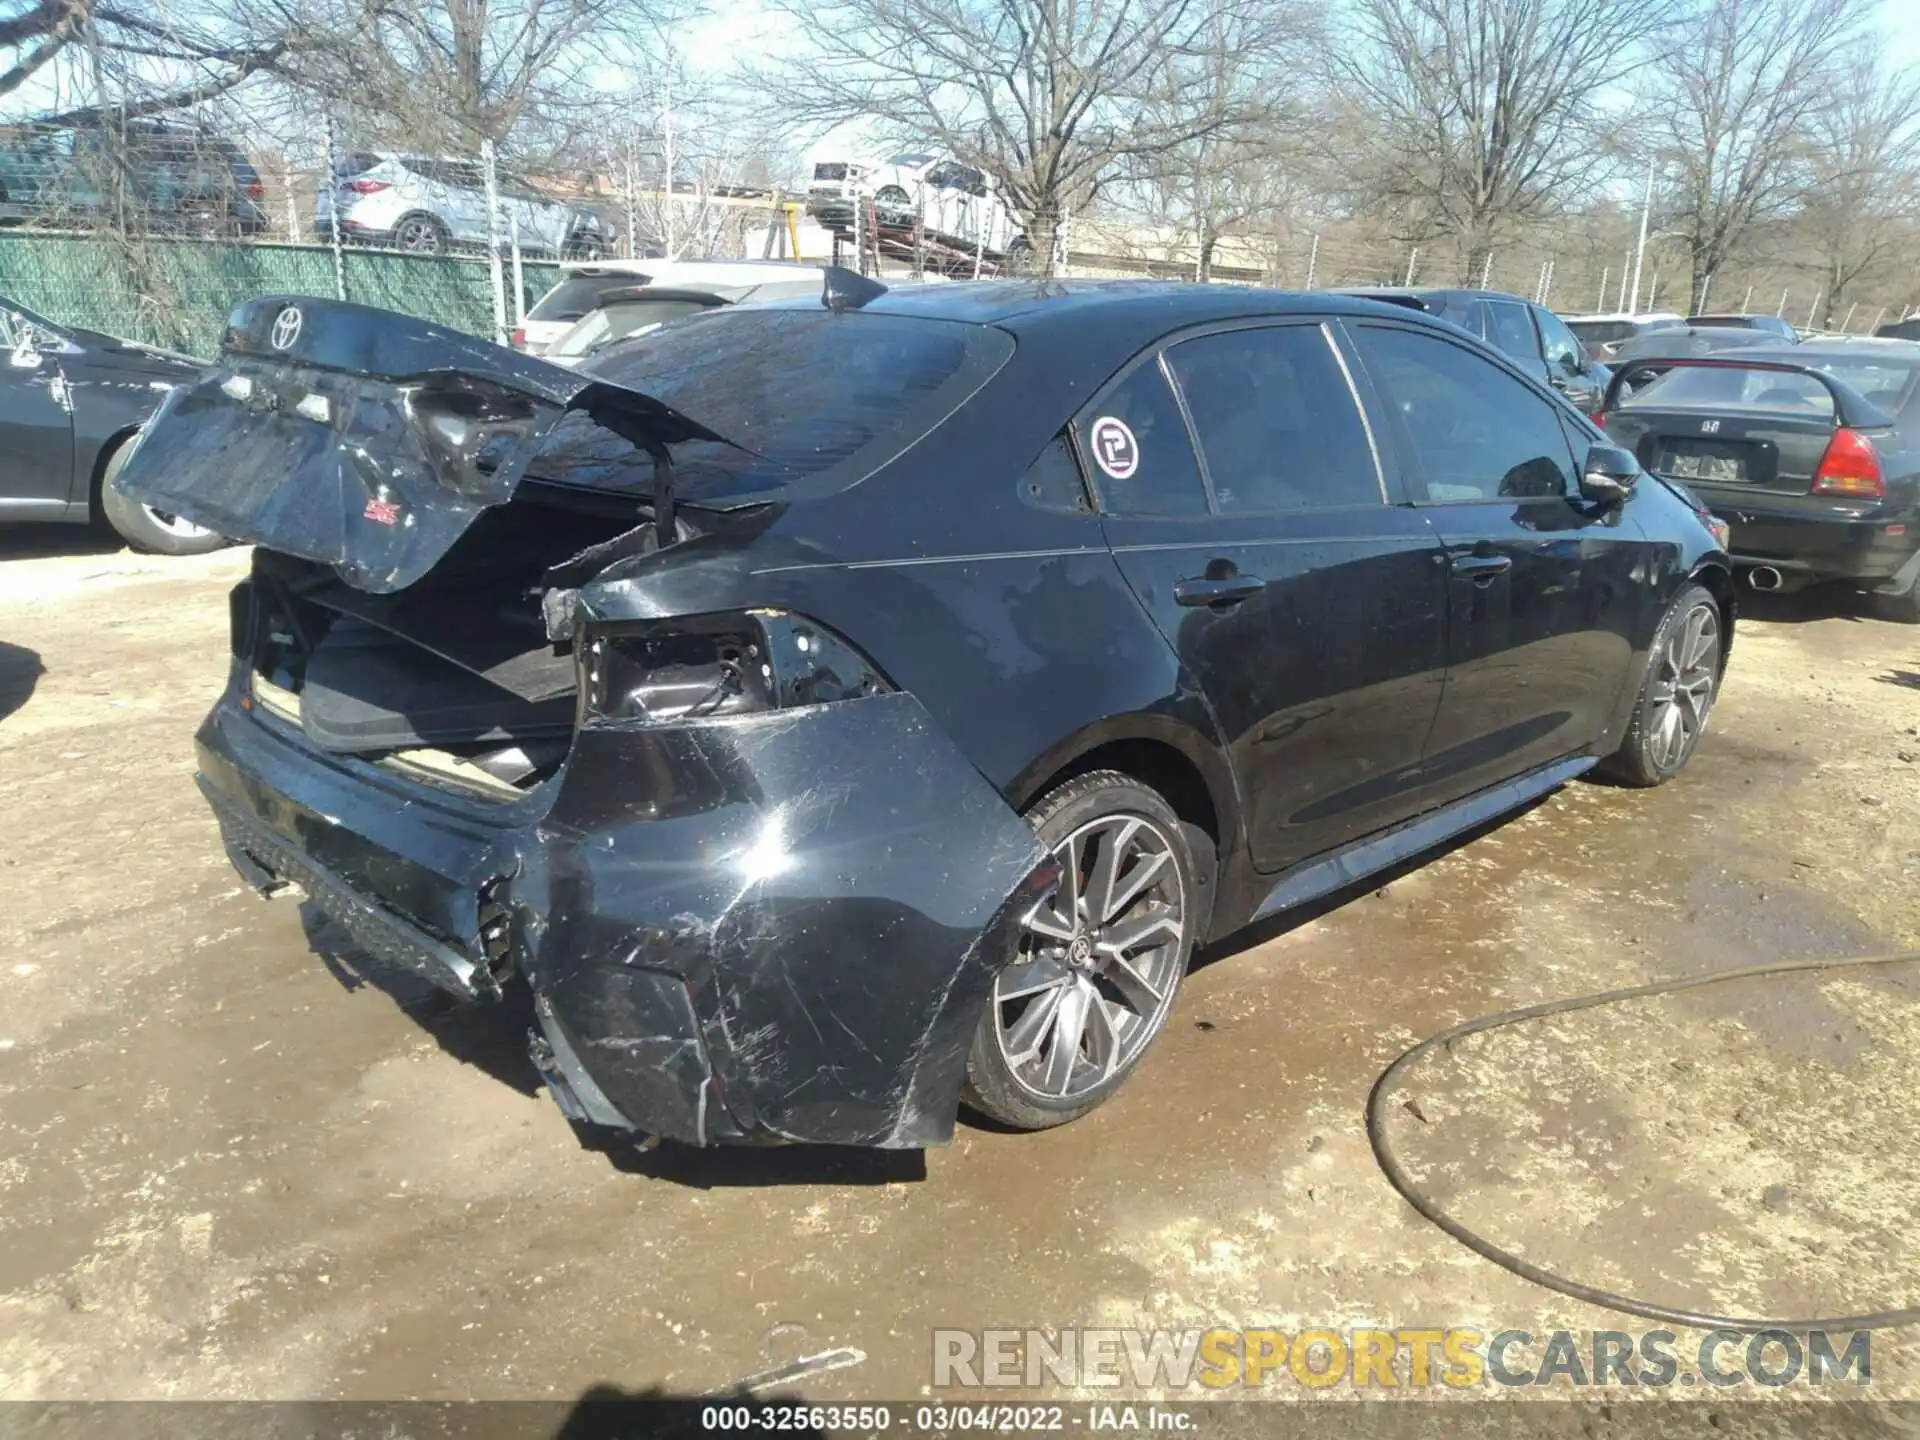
[
  {"x": 1183, "y": 767},
  {"x": 1716, "y": 579},
  {"x": 102, "y": 458}
]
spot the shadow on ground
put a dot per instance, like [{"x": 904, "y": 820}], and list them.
[
  {"x": 20, "y": 671},
  {"x": 40, "y": 542}
]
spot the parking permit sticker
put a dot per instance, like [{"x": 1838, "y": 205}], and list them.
[{"x": 1114, "y": 450}]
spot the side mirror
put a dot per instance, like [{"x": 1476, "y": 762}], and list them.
[{"x": 1610, "y": 474}]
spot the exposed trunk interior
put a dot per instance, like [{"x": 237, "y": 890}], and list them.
[{"x": 453, "y": 681}]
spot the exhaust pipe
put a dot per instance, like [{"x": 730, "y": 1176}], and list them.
[{"x": 1764, "y": 578}]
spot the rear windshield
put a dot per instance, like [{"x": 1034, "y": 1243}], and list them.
[
  {"x": 1604, "y": 332},
  {"x": 1885, "y": 384},
  {"x": 621, "y": 321},
  {"x": 577, "y": 294},
  {"x": 805, "y": 394}
]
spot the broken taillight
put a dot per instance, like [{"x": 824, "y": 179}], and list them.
[
  {"x": 705, "y": 666},
  {"x": 1851, "y": 466}
]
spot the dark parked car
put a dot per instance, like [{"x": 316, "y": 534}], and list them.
[
  {"x": 1811, "y": 453},
  {"x": 1773, "y": 326},
  {"x": 1899, "y": 330},
  {"x": 1684, "y": 340},
  {"x": 71, "y": 403},
  {"x": 166, "y": 176},
  {"x": 1536, "y": 339},
  {"x": 1603, "y": 335},
  {"x": 835, "y": 710}
]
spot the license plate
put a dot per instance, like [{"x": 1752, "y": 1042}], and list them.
[{"x": 1705, "y": 467}]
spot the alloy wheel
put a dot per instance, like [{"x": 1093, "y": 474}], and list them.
[
  {"x": 174, "y": 525},
  {"x": 417, "y": 234},
  {"x": 1683, "y": 686},
  {"x": 1098, "y": 960}
]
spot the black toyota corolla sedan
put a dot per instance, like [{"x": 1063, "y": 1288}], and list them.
[{"x": 839, "y": 710}]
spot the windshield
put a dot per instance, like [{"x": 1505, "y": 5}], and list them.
[
  {"x": 623, "y": 320},
  {"x": 805, "y": 394}
]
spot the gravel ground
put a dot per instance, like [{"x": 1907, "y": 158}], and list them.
[{"x": 238, "y": 1161}]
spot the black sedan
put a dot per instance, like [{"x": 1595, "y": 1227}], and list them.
[
  {"x": 835, "y": 709},
  {"x": 71, "y": 404},
  {"x": 1811, "y": 453}
]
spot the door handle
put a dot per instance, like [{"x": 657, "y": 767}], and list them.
[
  {"x": 1481, "y": 569},
  {"x": 1227, "y": 591}
]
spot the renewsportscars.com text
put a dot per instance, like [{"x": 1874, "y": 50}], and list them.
[{"x": 1218, "y": 1359}]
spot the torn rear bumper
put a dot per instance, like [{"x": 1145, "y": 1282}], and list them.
[{"x": 777, "y": 927}]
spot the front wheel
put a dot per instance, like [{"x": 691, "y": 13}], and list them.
[
  {"x": 1097, "y": 963},
  {"x": 154, "y": 532},
  {"x": 421, "y": 235},
  {"x": 1683, "y": 678}
]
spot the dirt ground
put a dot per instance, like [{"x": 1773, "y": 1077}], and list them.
[{"x": 233, "y": 1163}]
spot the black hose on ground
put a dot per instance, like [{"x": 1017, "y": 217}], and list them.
[{"x": 1415, "y": 1196}]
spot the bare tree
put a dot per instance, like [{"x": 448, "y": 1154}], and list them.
[
  {"x": 1861, "y": 208},
  {"x": 1049, "y": 98},
  {"x": 1731, "y": 113},
  {"x": 1234, "y": 172},
  {"x": 1485, "y": 111}
]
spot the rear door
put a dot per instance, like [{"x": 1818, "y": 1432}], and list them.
[
  {"x": 1544, "y": 597},
  {"x": 1244, "y": 499}
]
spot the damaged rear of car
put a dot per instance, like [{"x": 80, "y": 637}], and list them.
[{"x": 525, "y": 683}]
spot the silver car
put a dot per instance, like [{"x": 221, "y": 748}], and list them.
[{"x": 431, "y": 206}]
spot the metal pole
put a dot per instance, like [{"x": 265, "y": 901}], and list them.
[
  {"x": 1546, "y": 290},
  {"x": 519, "y": 276},
  {"x": 979, "y": 244},
  {"x": 333, "y": 214},
  {"x": 1706, "y": 284},
  {"x": 859, "y": 250},
  {"x": 1621, "y": 304},
  {"x": 1313, "y": 261},
  {"x": 1814, "y": 309},
  {"x": 1653, "y": 289},
  {"x": 1746, "y": 304},
  {"x": 1413, "y": 264},
  {"x": 491, "y": 171},
  {"x": 1849, "y": 320},
  {"x": 1640, "y": 247},
  {"x": 1878, "y": 318},
  {"x": 1486, "y": 269},
  {"x": 1781, "y": 312},
  {"x": 1601, "y": 304}
]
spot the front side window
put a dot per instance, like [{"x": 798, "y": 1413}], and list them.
[
  {"x": 1276, "y": 420},
  {"x": 1137, "y": 443},
  {"x": 1557, "y": 343},
  {"x": 1476, "y": 433}
]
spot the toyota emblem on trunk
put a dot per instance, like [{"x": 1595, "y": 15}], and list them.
[{"x": 286, "y": 327}]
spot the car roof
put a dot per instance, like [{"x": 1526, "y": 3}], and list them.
[
  {"x": 1626, "y": 317},
  {"x": 1167, "y": 304},
  {"x": 690, "y": 272}
]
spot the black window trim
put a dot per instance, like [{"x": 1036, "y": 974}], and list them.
[{"x": 1413, "y": 468}]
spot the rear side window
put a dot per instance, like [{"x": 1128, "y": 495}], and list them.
[
  {"x": 1141, "y": 454},
  {"x": 1511, "y": 328},
  {"x": 1557, "y": 342},
  {"x": 1476, "y": 433},
  {"x": 1276, "y": 420},
  {"x": 1469, "y": 315}
]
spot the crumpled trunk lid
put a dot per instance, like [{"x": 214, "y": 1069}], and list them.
[{"x": 363, "y": 439}]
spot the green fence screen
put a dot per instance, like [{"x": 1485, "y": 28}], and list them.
[{"x": 178, "y": 293}]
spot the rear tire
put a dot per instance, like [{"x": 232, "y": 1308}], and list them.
[
  {"x": 150, "y": 531},
  {"x": 421, "y": 234},
  {"x": 1098, "y": 962},
  {"x": 1676, "y": 695}
]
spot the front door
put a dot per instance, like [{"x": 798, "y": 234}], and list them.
[
  {"x": 1543, "y": 599},
  {"x": 36, "y": 416},
  {"x": 1308, "y": 610}
]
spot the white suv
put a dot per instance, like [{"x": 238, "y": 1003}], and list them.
[
  {"x": 957, "y": 204},
  {"x": 430, "y": 206}
]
